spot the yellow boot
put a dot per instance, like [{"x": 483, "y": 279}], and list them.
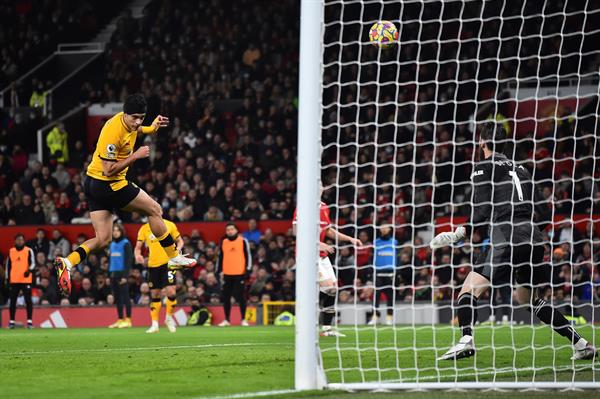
[
  {"x": 126, "y": 323},
  {"x": 116, "y": 324}
]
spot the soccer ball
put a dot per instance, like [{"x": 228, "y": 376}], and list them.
[{"x": 383, "y": 34}]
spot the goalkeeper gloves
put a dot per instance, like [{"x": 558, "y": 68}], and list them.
[{"x": 448, "y": 238}]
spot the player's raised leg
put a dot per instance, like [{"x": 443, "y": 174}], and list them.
[
  {"x": 144, "y": 204},
  {"x": 102, "y": 220}
]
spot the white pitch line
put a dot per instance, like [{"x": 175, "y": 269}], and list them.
[
  {"x": 250, "y": 394},
  {"x": 431, "y": 377},
  {"x": 499, "y": 371},
  {"x": 149, "y": 348},
  {"x": 441, "y": 377}
]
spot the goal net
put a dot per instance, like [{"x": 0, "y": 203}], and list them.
[{"x": 399, "y": 138}]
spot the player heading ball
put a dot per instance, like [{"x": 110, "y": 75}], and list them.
[{"x": 107, "y": 188}]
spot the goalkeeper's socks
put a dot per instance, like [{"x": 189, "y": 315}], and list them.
[
  {"x": 557, "y": 320},
  {"x": 327, "y": 319},
  {"x": 467, "y": 313}
]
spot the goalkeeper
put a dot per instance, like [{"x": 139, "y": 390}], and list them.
[{"x": 503, "y": 198}]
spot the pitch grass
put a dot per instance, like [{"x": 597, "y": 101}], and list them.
[{"x": 210, "y": 362}]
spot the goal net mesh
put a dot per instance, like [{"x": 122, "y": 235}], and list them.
[{"x": 399, "y": 141}]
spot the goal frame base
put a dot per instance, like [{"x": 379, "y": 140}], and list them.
[{"x": 462, "y": 385}]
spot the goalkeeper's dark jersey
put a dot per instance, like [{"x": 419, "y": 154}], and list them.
[{"x": 505, "y": 193}]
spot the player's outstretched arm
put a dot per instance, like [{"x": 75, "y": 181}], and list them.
[
  {"x": 159, "y": 121},
  {"x": 334, "y": 234},
  {"x": 448, "y": 238},
  {"x": 113, "y": 168}
]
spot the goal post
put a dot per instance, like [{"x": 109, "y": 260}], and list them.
[
  {"x": 308, "y": 178},
  {"x": 393, "y": 134}
]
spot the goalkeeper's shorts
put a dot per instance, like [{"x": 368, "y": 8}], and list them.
[{"x": 519, "y": 259}]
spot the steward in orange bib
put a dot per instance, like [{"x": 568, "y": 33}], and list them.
[
  {"x": 19, "y": 268},
  {"x": 235, "y": 262}
]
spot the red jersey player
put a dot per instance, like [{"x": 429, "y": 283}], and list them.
[{"x": 327, "y": 278}]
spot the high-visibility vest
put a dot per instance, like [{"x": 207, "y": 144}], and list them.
[
  {"x": 234, "y": 259},
  {"x": 19, "y": 264},
  {"x": 57, "y": 141}
]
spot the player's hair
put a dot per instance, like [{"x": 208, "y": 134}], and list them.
[
  {"x": 493, "y": 135},
  {"x": 19, "y": 235},
  {"x": 232, "y": 224},
  {"x": 135, "y": 104}
]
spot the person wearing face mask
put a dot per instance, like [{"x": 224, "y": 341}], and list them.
[
  {"x": 19, "y": 274},
  {"x": 385, "y": 261}
]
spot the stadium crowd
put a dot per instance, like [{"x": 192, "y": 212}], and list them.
[
  {"x": 31, "y": 30},
  {"x": 230, "y": 155}
]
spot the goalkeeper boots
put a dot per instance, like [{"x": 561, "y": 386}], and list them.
[
  {"x": 464, "y": 348},
  {"x": 181, "y": 262},
  {"x": 587, "y": 353}
]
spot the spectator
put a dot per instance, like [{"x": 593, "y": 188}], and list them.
[
  {"x": 61, "y": 176},
  {"x": 86, "y": 295},
  {"x": 58, "y": 245},
  {"x": 28, "y": 213},
  {"x": 213, "y": 214},
  {"x": 58, "y": 144},
  {"x": 38, "y": 96},
  {"x": 253, "y": 234},
  {"x": 212, "y": 288},
  {"x": 103, "y": 290},
  {"x": 49, "y": 295},
  {"x": 40, "y": 243}
]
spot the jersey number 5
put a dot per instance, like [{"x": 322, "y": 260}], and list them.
[{"x": 517, "y": 183}]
